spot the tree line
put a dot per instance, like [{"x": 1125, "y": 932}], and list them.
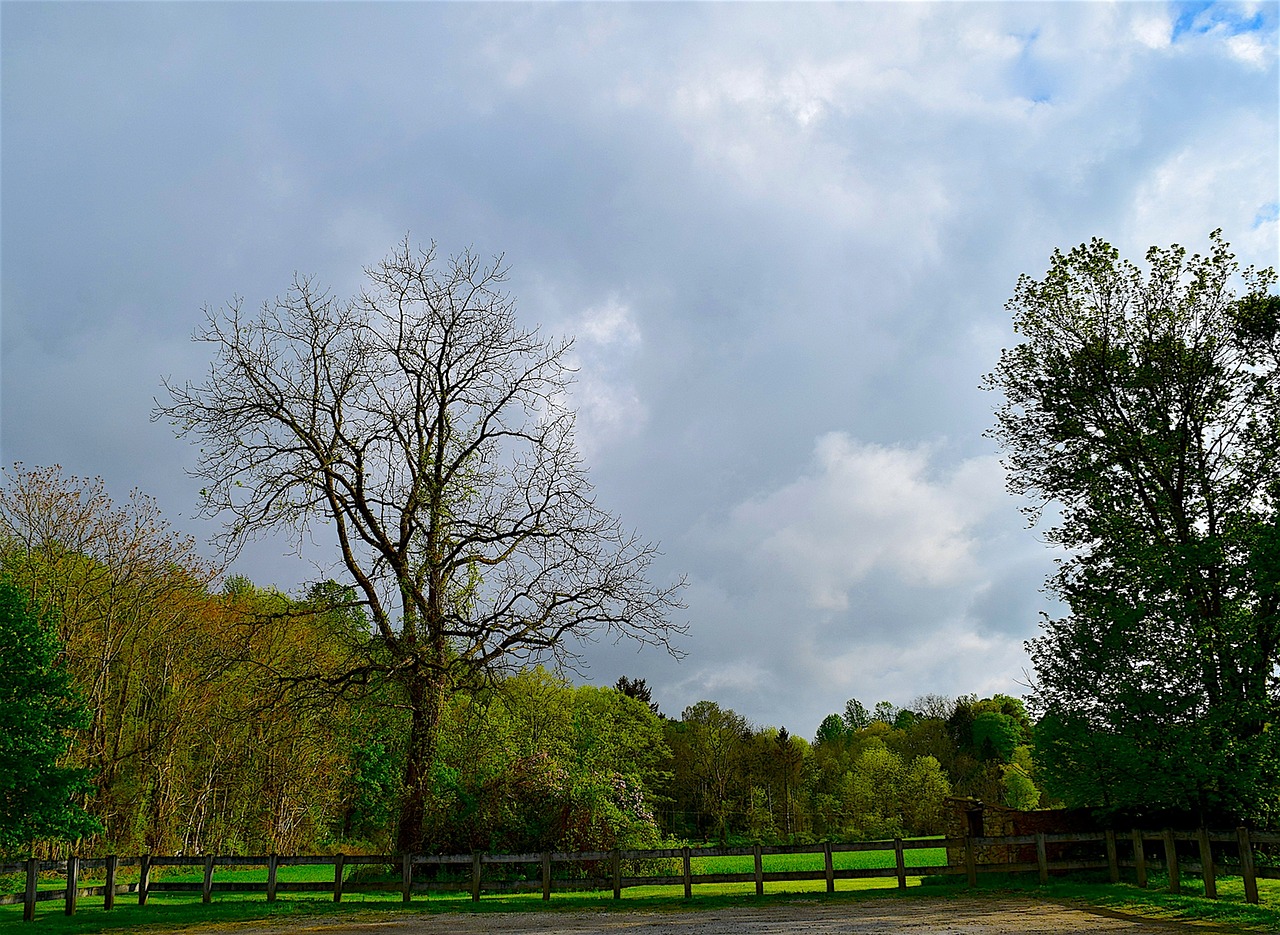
[{"x": 210, "y": 715}]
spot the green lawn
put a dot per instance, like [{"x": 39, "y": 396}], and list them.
[{"x": 841, "y": 860}]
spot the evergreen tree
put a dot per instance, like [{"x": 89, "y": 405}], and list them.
[{"x": 38, "y": 709}]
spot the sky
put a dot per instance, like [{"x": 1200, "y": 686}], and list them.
[{"x": 783, "y": 236}]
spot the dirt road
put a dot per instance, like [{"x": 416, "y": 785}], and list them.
[{"x": 988, "y": 916}]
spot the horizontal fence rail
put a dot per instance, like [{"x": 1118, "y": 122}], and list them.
[{"x": 1138, "y": 851}]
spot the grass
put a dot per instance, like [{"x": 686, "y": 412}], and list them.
[
  {"x": 177, "y": 911},
  {"x": 1229, "y": 911}
]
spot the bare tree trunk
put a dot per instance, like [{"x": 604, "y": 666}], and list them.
[
  {"x": 409, "y": 829},
  {"x": 425, "y": 701}
]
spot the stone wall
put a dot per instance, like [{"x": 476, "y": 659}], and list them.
[{"x": 967, "y": 817}]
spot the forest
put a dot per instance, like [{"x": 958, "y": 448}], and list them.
[{"x": 213, "y": 723}]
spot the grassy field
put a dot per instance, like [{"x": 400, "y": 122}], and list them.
[{"x": 170, "y": 911}]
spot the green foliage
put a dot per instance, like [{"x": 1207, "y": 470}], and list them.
[
  {"x": 760, "y": 827},
  {"x": 924, "y": 792},
  {"x": 855, "y": 715},
  {"x": 639, "y": 690},
  {"x": 39, "y": 711},
  {"x": 832, "y": 730},
  {"x": 1019, "y": 789},
  {"x": 532, "y": 763},
  {"x": 995, "y": 735},
  {"x": 885, "y": 712},
  {"x": 374, "y": 790}
]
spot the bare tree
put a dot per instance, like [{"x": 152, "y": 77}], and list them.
[{"x": 432, "y": 434}]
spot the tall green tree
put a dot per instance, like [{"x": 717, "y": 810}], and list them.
[
  {"x": 430, "y": 432},
  {"x": 709, "y": 744},
  {"x": 39, "y": 711},
  {"x": 1143, "y": 405}
]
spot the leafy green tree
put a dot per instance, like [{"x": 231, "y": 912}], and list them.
[
  {"x": 995, "y": 735},
  {"x": 530, "y": 763},
  {"x": 759, "y": 820},
  {"x": 886, "y": 712},
  {"x": 856, "y": 715},
  {"x": 710, "y": 746},
  {"x": 876, "y": 804},
  {"x": 1020, "y": 789},
  {"x": 39, "y": 711},
  {"x": 832, "y": 730},
  {"x": 638, "y": 689},
  {"x": 1144, "y": 406},
  {"x": 924, "y": 792}
]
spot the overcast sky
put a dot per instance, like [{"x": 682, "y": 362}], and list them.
[{"x": 782, "y": 234}]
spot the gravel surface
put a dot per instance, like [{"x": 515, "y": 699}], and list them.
[{"x": 1003, "y": 916}]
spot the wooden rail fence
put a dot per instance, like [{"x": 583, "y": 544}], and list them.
[{"x": 1054, "y": 853}]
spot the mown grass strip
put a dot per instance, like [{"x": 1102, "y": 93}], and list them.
[{"x": 1229, "y": 910}]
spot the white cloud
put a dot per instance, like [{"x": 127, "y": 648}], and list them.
[
  {"x": 1214, "y": 179},
  {"x": 608, "y": 324},
  {"x": 606, "y": 342},
  {"x": 1152, "y": 27},
  {"x": 954, "y": 658},
  {"x": 863, "y": 508},
  {"x": 1248, "y": 48}
]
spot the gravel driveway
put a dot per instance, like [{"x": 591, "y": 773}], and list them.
[{"x": 986, "y": 916}]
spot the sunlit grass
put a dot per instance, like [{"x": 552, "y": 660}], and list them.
[{"x": 1154, "y": 902}]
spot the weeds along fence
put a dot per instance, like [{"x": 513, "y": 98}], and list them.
[{"x": 1206, "y": 853}]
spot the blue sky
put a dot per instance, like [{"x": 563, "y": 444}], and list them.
[{"x": 783, "y": 235}]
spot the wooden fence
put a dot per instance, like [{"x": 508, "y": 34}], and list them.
[{"x": 1138, "y": 851}]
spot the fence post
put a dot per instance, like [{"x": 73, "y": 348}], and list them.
[
  {"x": 902, "y": 863},
  {"x": 1206, "y": 865},
  {"x": 73, "y": 883},
  {"x": 406, "y": 878},
  {"x": 338, "y": 859},
  {"x": 616, "y": 860},
  {"x": 1171, "y": 861},
  {"x": 109, "y": 895},
  {"x": 759, "y": 871},
  {"x": 475, "y": 877},
  {"x": 1140, "y": 857},
  {"x": 272, "y": 863},
  {"x": 829, "y": 866},
  {"x": 144, "y": 879},
  {"x": 970, "y": 865},
  {"x": 1246, "y": 866},
  {"x": 206, "y": 891},
  {"x": 1042, "y": 857},
  {"x": 1113, "y": 859},
  {"x": 29, "y": 897},
  {"x": 688, "y": 875},
  {"x": 546, "y": 875}
]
